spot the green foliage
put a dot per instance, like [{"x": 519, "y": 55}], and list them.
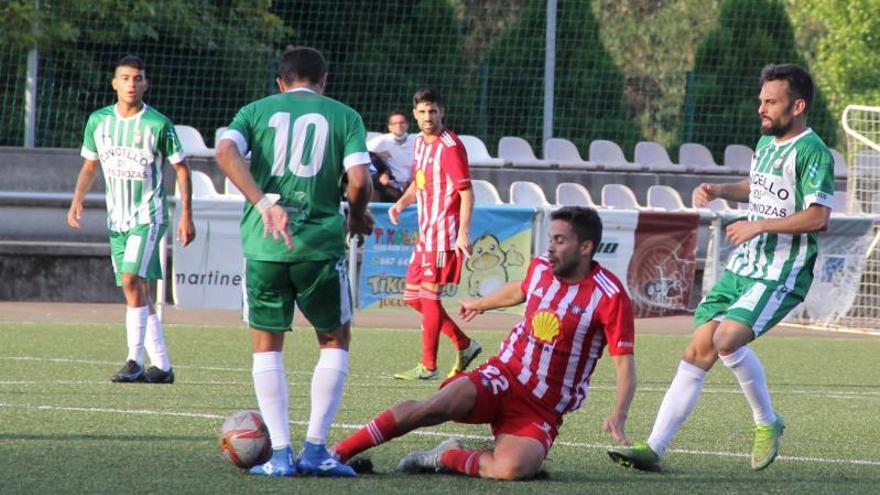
[
  {"x": 845, "y": 38},
  {"x": 751, "y": 34},
  {"x": 589, "y": 95}
]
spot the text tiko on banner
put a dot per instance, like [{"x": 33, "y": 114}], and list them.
[{"x": 502, "y": 247}]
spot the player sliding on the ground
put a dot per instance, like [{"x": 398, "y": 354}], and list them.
[
  {"x": 789, "y": 194},
  {"x": 573, "y": 308}
]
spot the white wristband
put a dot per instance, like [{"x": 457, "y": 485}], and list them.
[{"x": 265, "y": 202}]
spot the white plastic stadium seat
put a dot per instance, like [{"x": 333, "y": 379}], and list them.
[
  {"x": 572, "y": 194},
  {"x": 230, "y": 189},
  {"x": 202, "y": 186},
  {"x": 655, "y": 157},
  {"x": 840, "y": 204},
  {"x": 619, "y": 196},
  {"x": 219, "y": 134},
  {"x": 698, "y": 157},
  {"x": 565, "y": 154},
  {"x": 527, "y": 194},
  {"x": 738, "y": 157},
  {"x": 841, "y": 169},
  {"x": 485, "y": 193},
  {"x": 665, "y": 197},
  {"x": 477, "y": 153},
  {"x": 192, "y": 142},
  {"x": 518, "y": 152},
  {"x": 609, "y": 155}
]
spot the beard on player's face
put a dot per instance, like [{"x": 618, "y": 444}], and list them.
[{"x": 779, "y": 126}]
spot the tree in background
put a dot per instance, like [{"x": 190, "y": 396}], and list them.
[
  {"x": 724, "y": 87},
  {"x": 843, "y": 39},
  {"x": 589, "y": 96}
]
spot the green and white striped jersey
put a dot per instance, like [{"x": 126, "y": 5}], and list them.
[
  {"x": 301, "y": 143},
  {"x": 786, "y": 177},
  {"x": 131, "y": 151}
]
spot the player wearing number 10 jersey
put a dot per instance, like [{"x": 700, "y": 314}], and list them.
[
  {"x": 574, "y": 308},
  {"x": 301, "y": 143}
]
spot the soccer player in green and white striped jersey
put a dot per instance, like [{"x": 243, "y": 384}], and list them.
[
  {"x": 131, "y": 140},
  {"x": 789, "y": 192},
  {"x": 301, "y": 144}
]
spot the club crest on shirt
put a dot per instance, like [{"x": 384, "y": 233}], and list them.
[
  {"x": 545, "y": 325},
  {"x": 420, "y": 179}
]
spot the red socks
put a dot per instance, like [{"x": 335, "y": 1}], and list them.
[
  {"x": 378, "y": 431},
  {"x": 435, "y": 320},
  {"x": 466, "y": 462}
]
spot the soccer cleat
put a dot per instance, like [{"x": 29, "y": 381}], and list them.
[
  {"x": 427, "y": 461},
  {"x": 317, "y": 461},
  {"x": 766, "y": 446},
  {"x": 157, "y": 375},
  {"x": 279, "y": 465},
  {"x": 130, "y": 372},
  {"x": 639, "y": 456},
  {"x": 420, "y": 372},
  {"x": 465, "y": 357}
]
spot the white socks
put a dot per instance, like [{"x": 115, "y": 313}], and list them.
[
  {"x": 155, "y": 343},
  {"x": 748, "y": 370},
  {"x": 270, "y": 386},
  {"x": 678, "y": 404},
  {"x": 328, "y": 382},
  {"x": 135, "y": 326}
]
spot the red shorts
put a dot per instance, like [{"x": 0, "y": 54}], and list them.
[
  {"x": 438, "y": 267},
  {"x": 504, "y": 404}
]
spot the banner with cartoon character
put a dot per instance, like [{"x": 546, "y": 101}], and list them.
[{"x": 502, "y": 247}]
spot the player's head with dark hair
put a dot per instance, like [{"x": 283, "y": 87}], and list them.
[
  {"x": 786, "y": 94},
  {"x": 132, "y": 61},
  {"x": 575, "y": 232},
  {"x": 428, "y": 95},
  {"x": 800, "y": 83},
  {"x": 584, "y": 221},
  {"x": 302, "y": 64}
]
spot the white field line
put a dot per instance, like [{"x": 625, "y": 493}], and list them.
[
  {"x": 820, "y": 391},
  {"x": 430, "y": 433}
]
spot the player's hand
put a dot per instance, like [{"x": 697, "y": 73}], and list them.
[
  {"x": 186, "y": 230},
  {"x": 74, "y": 215},
  {"x": 384, "y": 179},
  {"x": 615, "y": 425},
  {"x": 705, "y": 193},
  {"x": 467, "y": 309},
  {"x": 361, "y": 225},
  {"x": 463, "y": 246},
  {"x": 394, "y": 213},
  {"x": 742, "y": 231},
  {"x": 275, "y": 224}
]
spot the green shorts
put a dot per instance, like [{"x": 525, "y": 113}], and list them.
[
  {"x": 137, "y": 251},
  {"x": 319, "y": 288},
  {"x": 758, "y": 304}
]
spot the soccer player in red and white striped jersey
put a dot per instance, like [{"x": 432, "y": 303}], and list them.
[
  {"x": 441, "y": 188},
  {"x": 574, "y": 309}
]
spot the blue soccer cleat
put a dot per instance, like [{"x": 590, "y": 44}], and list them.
[
  {"x": 280, "y": 465},
  {"x": 315, "y": 460}
]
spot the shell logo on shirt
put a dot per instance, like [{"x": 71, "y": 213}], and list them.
[
  {"x": 420, "y": 179},
  {"x": 545, "y": 325}
]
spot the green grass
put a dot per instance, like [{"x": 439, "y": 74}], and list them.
[{"x": 64, "y": 426}]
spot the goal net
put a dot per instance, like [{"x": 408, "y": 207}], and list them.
[{"x": 847, "y": 279}]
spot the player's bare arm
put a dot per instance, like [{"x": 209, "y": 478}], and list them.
[
  {"x": 511, "y": 294},
  {"x": 235, "y": 167},
  {"x": 84, "y": 183},
  {"x": 360, "y": 187},
  {"x": 813, "y": 219},
  {"x": 466, "y": 210},
  {"x": 737, "y": 191},
  {"x": 615, "y": 424},
  {"x": 186, "y": 230},
  {"x": 408, "y": 198}
]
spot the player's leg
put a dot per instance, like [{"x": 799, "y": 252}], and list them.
[
  {"x": 268, "y": 311},
  {"x": 764, "y": 305},
  {"x": 326, "y": 303},
  {"x": 448, "y": 265},
  {"x": 426, "y": 369},
  {"x": 513, "y": 458},
  {"x": 452, "y": 402}
]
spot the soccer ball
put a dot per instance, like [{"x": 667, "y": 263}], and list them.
[{"x": 244, "y": 439}]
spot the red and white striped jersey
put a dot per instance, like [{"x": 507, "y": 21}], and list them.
[
  {"x": 553, "y": 351},
  {"x": 440, "y": 171}
]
